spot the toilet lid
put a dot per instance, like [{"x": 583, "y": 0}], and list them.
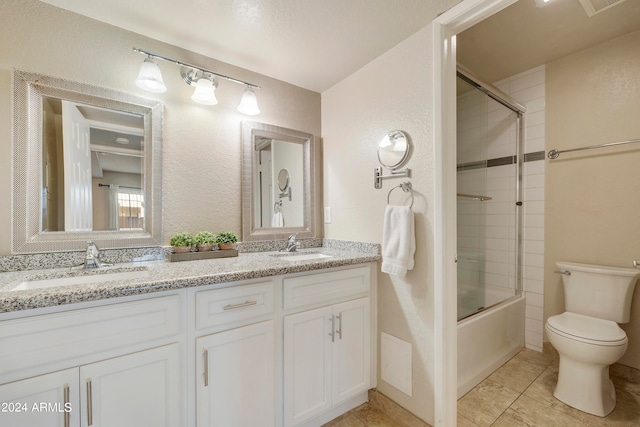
[{"x": 586, "y": 328}]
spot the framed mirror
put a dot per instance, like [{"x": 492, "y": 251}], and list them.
[
  {"x": 86, "y": 166},
  {"x": 278, "y": 196},
  {"x": 393, "y": 150}
]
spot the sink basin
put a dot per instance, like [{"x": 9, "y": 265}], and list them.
[
  {"x": 81, "y": 280},
  {"x": 303, "y": 257}
]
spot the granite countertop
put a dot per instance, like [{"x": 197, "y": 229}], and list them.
[{"x": 163, "y": 276}]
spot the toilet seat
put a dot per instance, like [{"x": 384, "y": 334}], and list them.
[{"x": 589, "y": 330}]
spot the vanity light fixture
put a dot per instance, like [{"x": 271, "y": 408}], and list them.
[
  {"x": 150, "y": 77},
  {"x": 204, "y": 80}
]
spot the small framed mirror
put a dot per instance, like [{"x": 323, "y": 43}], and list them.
[
  {"x": 393, "y": 150},
  {"x": 273, "y": 160},
  {"x": 283, "y": 179}
]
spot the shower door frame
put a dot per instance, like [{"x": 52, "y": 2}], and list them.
[{"x": 519, "y": 109}]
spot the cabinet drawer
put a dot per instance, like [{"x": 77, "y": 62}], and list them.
[
  {"x": 77, "y": 334},
  {"x": 325, "y": 287},
  {"x": 221, "y": 306}
]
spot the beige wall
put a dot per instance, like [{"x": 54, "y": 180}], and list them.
[
  {"x": 201, "y": 145},
  {"x": 593, "y": 197},
  {"x": 392, "y": 92}
]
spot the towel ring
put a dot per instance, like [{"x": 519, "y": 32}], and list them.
[{"x": 406, "y": 187}]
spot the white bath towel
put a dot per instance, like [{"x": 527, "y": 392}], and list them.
[
  {"x": 277, "y": 220},
  {"x": 398, "y": 240}
]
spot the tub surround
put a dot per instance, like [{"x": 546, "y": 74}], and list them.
[{"x": 164, "y": 276}]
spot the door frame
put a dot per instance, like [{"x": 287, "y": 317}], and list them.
[{"x": 445, "y": 27}]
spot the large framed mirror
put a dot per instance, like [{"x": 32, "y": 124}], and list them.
[
  {"x": 86, "y": 166},
  {"x": 278, "y": 194}
]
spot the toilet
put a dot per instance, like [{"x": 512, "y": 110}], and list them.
[{"x": 587, "y": 336}]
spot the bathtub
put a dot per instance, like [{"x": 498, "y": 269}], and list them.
[{"x": 487, "y": 340}]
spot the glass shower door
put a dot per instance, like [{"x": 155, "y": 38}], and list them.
[{"x": 487, "y": 159}]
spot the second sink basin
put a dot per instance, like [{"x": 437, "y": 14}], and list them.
[
  {"x": 302, "y": 257},
  {"x": 81, "y": 279}
]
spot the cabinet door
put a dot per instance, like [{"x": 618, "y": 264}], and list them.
[
  {"x": 236, "y": 377},
  {"x": 139, "y": 389},
  {"x": 307, "y": 364},
  {"x": 351, "y": 349},
  {"x": 49, "y": 400}
]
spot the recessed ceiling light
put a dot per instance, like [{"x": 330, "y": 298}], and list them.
[{"x": 122, "y": 140}]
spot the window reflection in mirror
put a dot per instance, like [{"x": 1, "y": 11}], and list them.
[{"x": 92, "y": 168}]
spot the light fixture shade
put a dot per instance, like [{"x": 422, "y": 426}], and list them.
[
  {"x": 204, "y": 92},
  {"x": 150, "y": 77},
  {"x": 249, "y": 102}
]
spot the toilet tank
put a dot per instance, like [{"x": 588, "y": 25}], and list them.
[{"x": 598, "y": 291}]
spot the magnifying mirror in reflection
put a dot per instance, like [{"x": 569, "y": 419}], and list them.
[{"x": 283, "y": 179}]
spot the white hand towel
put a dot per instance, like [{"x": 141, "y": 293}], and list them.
[
  {"x": 398, "y": 240},
  {"x": 277, "y": 220}
]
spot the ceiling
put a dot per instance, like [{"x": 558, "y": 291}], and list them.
[
  {"x": 309, "y": 43},
  {"x": 315, "y": 44},
  {"x": 523, "y": 36}
]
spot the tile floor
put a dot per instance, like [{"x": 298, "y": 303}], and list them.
[{"x": 520, "y": 393}]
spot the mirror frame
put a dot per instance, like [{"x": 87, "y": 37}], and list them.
[
  {"x": 27, "y": 235},
  {"x": 251, "y": 131}
]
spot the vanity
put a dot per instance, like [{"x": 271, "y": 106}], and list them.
[
  {"x": 262, "y": 339},
  {"x": 259, "y": 340}
]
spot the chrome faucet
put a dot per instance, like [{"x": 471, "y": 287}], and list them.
[
  {"x": 92, "y": 258},
  {"x": 292, "y": 244}
]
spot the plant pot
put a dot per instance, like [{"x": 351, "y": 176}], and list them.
[
  {"x": 225, "y": 246},
  {"x": 204, "y": 247},
  {"x": 181, "y": 249}
]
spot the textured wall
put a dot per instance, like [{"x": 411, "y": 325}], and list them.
[
  {"x": 593, "y": 197},
  {"x": 392, "y": 92},
  {"x": 201, "y": 145}
]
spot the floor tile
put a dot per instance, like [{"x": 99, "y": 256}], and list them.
[
  {"x": 346, "y": 421},
  {"x": 520, "y": 393},
  {"x": 528, "y": 412},
  {"x": 465, "y": 422},
  {"x": 374, "y": 418},
  {"x": 517, "y": 374},
  {"x": 486, "y": 402}
]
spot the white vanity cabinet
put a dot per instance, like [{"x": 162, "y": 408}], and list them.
[
  {"x": 293, "y": 349},
  {"x": 327, "y": 350},
  {"x": 22, "y": 401},
  {"x": 139, "y": 389},
  {"x": 235, "y": 366},
  {"x": 110, "y": 365}
]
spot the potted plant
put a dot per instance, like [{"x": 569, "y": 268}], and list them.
[
  {"x": 226, "y": 239},
  {"x": 204, "y": 241},
  {"x": 181, "y": 242}
]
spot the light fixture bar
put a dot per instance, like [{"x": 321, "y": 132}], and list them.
[{"x": 183, "y": 64}]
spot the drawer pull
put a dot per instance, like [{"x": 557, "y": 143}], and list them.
[
  {"x": 89, "y": 404},
  {"x": 67, "y": 414},
  {"x": 242, "y": 304}
]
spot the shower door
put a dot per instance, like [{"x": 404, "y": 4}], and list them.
[{"x": 488, "y": 138}]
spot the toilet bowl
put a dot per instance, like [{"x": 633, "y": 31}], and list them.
[
  {"x": 587, "y": 335},
  {"x": 587, "y": 347}
]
